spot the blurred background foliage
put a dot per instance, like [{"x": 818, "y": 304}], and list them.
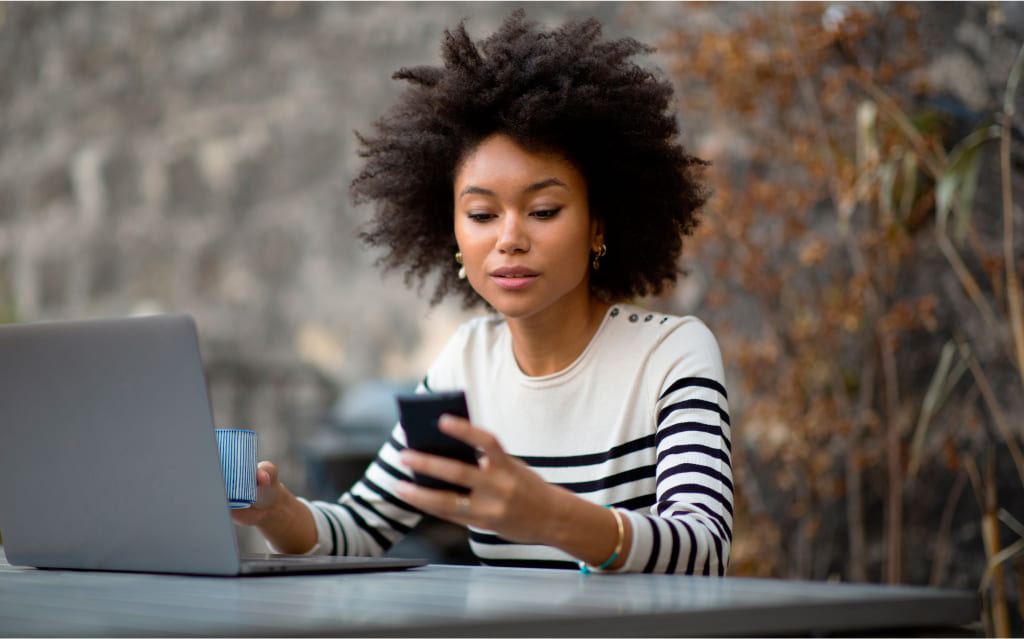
[
  {"x": 872, "y": 222},
  {"x": 859, "y": 261}
]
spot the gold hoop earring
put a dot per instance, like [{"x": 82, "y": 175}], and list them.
[
  {"x": 462, "y": 269},
  {"x": 601, "y": 252}
]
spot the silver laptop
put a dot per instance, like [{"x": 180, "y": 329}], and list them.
[{"x": 108, "y": 458}]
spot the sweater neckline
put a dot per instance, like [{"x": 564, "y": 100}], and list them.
[{"x": 567, "y": 373}]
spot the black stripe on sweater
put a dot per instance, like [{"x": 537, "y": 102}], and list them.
[
  {"x": 723, "y": 526},
  {"x": 395, "y": 443},
  {"x": 589, "y": 459},
  {"x": 388, "y": 497},
  {"x": 381, "y": 540},
  {"x": 637, "y": 503},
  {"x": 391, "y": 470},
  {"x": 655, "y": 545},
  {"x": 677, "y": 429},
  {"x": 490, "y": 539},
  {"x": 396, "y": 525},
  {"x": 333, "y": 517},
  {"x": 718, "y": 549},
  {"x": 680, "y": 469},
  {"x": 330, "y": 524},
  {"x": 673, "y": 559},
  {"x": 692, "y": 489},
  {"x": 684, "y": 449},
  {"x": 692, "y": 561},
  {"x": 689, "y": 382},
  {"x": 625, "y": 477},
  {"x": 699, "y": 404}
]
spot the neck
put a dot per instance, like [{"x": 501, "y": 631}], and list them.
[{"x": 548, "y": 342}]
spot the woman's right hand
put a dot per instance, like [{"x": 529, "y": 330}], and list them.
[
  {"x": 268, "y": 493},
  {"x": 282, "y": 519}
]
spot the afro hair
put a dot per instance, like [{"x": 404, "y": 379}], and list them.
[{"x": 563, "y": 91}]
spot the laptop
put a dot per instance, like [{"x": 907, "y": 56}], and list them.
[{"x": 108, "y": 457}]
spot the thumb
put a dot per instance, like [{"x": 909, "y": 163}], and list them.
[{"x": 266, "y": 474}]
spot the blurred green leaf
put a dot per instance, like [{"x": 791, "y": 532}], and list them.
[
  {"x": 945, "y": 187},
  {"x": 967, "y": 191},
  {"x": 938, "y": 389},
  {"x": 957, "y": 185}
]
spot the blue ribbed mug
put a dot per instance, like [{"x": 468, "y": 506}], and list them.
[{"x": 238, "y": 459}]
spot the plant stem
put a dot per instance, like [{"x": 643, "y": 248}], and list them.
[
  {"x": 993, "y": 406},
  {"x": 990, "y": 535},
  {"x": 1013, "y": 285},
  {"x": 854, "y": 490},
  {"x": 967, "y": 280},
  {"x": 894, "y": 506},
  {"x": 945, "y": 523}
]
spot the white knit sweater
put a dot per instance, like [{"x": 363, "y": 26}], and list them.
[{"x": 639, "y": 421}]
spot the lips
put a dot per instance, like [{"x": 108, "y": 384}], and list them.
[{"x": 513, "y": 278}]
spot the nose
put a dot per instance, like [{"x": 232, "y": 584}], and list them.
[{"x": 513, "y": 237}]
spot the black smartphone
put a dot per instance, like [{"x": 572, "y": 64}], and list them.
[{"x": 419, "y": 414}]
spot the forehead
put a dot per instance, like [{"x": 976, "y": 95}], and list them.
[{"x": 499, "y": 158}]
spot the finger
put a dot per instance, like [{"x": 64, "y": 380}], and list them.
[
  {"x": 246, "y": 516},
  {"x": 461, "y": 429},
  {"x": 440, "y": 503},
  {"x": 450, "y": 470}
]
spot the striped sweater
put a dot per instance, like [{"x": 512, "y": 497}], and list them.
[{"x": 639, "y": 421}]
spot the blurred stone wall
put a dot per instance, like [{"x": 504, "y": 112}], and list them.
[{"x": 196, "y": 157}]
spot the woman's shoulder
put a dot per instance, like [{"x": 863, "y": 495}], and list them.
[
  {"x": 473, "y": 339},
  {"x": 664, "y": 340},
  {"x": 628, "y": 321}
]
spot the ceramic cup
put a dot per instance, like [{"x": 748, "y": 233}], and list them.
[{"x": 238, "y": 458}]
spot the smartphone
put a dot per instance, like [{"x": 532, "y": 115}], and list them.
[{"x": 419, "y": 414}]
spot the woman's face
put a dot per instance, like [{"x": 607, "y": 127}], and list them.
[{"x": 523, "y": 225}]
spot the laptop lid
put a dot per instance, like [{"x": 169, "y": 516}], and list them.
[{"x": 108, "y": 458}]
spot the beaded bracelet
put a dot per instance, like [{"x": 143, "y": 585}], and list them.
[{"x": 585, "y": 569}]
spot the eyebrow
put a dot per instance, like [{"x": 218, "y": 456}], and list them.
[{"x": 536, "y": 186}]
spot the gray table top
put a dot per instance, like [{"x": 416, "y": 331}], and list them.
[{"x": 444, "y": 600}]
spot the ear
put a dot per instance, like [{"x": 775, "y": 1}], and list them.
[{"x": 596, "y": 234}]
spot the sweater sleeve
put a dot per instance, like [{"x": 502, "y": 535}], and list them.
[
  {"x": 370, "y": 518},
  {"x": 689, "y": 528}
]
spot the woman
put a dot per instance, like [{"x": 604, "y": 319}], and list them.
[{"x": 538, "y": 173}]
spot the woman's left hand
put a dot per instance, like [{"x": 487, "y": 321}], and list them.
[{"x": 505, "y": 495}]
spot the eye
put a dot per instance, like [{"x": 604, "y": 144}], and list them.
[
  {"x": 479, "y": 216},
  {"x": 545, "y": 214}
]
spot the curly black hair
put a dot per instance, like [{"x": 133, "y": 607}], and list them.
[{"x": 562, "y": 91}]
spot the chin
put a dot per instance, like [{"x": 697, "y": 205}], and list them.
[
  {"x": 514, "y": 306},
  {"x": 514, "y": 311}
]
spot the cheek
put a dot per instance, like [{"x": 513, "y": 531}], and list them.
[
  {"x": 467, "y": 237},
  {"x": 573, "y": 243}
]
